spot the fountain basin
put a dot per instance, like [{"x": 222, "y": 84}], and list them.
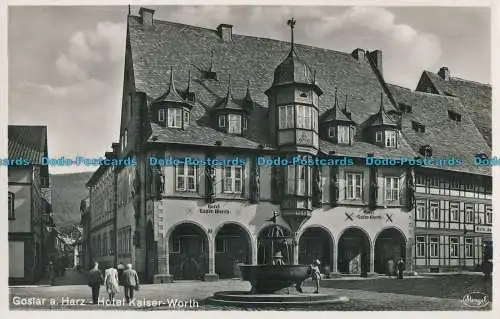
[{"x": 268, "y": 279}]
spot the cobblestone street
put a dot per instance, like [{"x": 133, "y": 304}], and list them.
[{"x": 420, "y": 294}]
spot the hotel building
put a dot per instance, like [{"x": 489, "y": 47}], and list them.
[{"x": 211, "y": 94}]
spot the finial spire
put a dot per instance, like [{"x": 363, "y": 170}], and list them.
[
  {"x": 129, "y": 9},
  {"x": 336, "y": 100},
  {"x": 248, "y": 97},
  {"x": 291, "y": 23},
  {"x": 229, "y": 92},
  {"x": 172, "y": 84}
]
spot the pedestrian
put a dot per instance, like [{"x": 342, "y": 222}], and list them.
[
  {"x": 401, "y": 267},
  {"x": 130, "y": 281},
  {"x": 390, "y": 267},
  {"x": 316, "y": 274},
  {"x": 120, "y": 268},
  {"x": 487, "y": 268},
  {"x": 95, "y": 280},
  {"x": 51, "y": 272},
  {"x": 111, "y": 282}
]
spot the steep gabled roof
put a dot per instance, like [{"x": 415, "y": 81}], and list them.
[
  {"x": 155, "y": 48},
  {"x": 28, "y": 142},
  {"x": 475, "y": 96},
  {"x": 447, "y": 138}
]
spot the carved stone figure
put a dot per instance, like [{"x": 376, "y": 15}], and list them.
[
  {"x": 373, "y": 188},
  {"x": 317, "y": 189},
  {"x": 334, "y": 182},
  {"x": 410, "y": 189},
  {"x": 210, "y": 179},
  {"x": 255, "y": 186}
]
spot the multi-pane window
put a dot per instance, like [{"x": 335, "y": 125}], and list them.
[
  {"x": 290, "y": 179},
  {"x": 301, "y": 180},
  {"x": 175, "y": 117},
  {"x": 331, "y": 131},
  {"x": 378, "y": 137},
  {"x": 469, "y": 214},
  {"x": 469, "y": 251},
  {"x": 245, "y": 123},
  {"x": 434, "y": 208},
  {"x": 454, "y": 213},
  {"x": 234, "y": 123},
  {"x": 304, "y": 116},
  {"x": 420, "y": 244},
  {"x": 161, "y": 115},
  {"x": 434, "y": 247},
  {"x": 232, "y": 179},
  {"x": 186, "y": 118},
  {"x": 421, "y": 213},
  {"x": 453, "y": 246},
  {"x": 185, "y": 178},
  {"x": 390, "y": 138},
  {"x": 286, "y": 116},
  {"x": 222, "y": 121},
  {"x": 354, "y": 185},
  {"x": 391, "y": 188},
  {"x": 11, "y": 207},
  {"x": 420, "y": 179},
  {"x": 433, "y": 181},
  {"x": 489, "y": 216},
  {"x": 343, "y": 134},
  {"x": 314, "y": 119}
]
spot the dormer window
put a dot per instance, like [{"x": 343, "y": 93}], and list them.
[
  {"x": 175, "y": 117},
  {"x": 417, "y": 127},
  {"x": 454, "y": 116},
  {"x": 161, "y": 115},
  {"x": 343, "y": 134},
  {"x": 234, "y": 126},
  {"x": 222, "y": 121},
  {"x": 332, "y": 131},
  {"x": 405, "y": 108},
  {"x": 390, "y": 139}
]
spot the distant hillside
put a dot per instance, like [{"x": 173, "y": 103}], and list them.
[{"x": 67, "y": 192}]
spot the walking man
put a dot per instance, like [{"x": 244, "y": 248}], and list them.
[
  {"x": 130, "y": 281},
  {"x": 95, "y": 281}
]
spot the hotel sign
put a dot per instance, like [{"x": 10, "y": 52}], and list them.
[
  {"x": 214, "y": 209},
  {"x": 482, "y": 229}
]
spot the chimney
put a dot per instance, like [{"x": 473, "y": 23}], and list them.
[
  {"x": 376, "y": 58},
  {"x": 444, "y": 73},
  {"x": 358, "y": 54},
  {"x": 146, "y": 16},
  {"x": 115, "y": 147},
  {"x": 225, "y": 32}
]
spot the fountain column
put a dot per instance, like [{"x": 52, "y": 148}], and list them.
[
  {"x": 372, "y": 259},
  {"x": 254, "y": 249},
  {"x": 295, "y": 249}
]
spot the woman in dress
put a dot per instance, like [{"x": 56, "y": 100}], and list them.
[{"x": 111, "y": 282}]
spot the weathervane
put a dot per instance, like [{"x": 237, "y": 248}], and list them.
[{"x": 291, "y": 23}]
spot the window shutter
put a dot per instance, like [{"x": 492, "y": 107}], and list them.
[{"x": 243, "y": 179}]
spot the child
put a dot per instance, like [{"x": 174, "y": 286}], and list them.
[{"x": 316, "y": 274}]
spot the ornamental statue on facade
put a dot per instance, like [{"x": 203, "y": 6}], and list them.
[
  {"x": 159, "y": 182},
  {"x": 277, "y": 180},
  {"x": 373, "y": 188},
  {"x": 410, "y": 189},
  {"x": 334, "y": 185},
  {"x": 317, "y": 188},
  {"x": 255, "y": 184},
  {"x": 210, "y": 182}
]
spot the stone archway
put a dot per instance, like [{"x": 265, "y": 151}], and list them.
[
  {"x": 316, "y": 243},
  {"x": 354, "y": 252},
  {"x": 232, "y": 246},
  {"x": 188, "y": 252},
  {"x": 390, "y": 244}
]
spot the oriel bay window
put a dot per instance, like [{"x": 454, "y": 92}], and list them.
[
  {"x": 354, "y": 185},
  {"x": 232, "y": 181},
  {"x": 185, "y": 178},
  {"x": 392, "y": 188},
  {"x": 299, "y": 116},
  {"x": 286, "y": 116},
  {"x": 297, "y": 177}
]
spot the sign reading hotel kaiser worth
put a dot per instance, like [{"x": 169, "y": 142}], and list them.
[
  {"x": 482, "y": 229},
  {"x": 214, "y": 209}
]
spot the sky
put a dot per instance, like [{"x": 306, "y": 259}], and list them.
[{"x": 66, "y": 64}]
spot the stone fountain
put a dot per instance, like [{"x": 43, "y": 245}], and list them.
[{"x": 277, "y": 279}]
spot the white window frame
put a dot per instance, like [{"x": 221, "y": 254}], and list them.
[
  {"x": 454, "y": 246},
  {"x": 332, "y": 130},
  {"x": 314, "y": 119},
  {"x": 421, "y": 211},
  {"x": 344, "y": 134},
  {"x": 454, "y": 212},
  {"x": 469, "y": 248},
  {"x": 379, "y": 137},
  {"x": 174, "y": 117},
  {"x": 488, "y": 216},
  {"x": 352, "y": 187},
  {"x": 231, "y": 184},
  {"x": 392, "y": 189},
  {"x": 434, "y": 210},
  {"x": 290, "y": 179},
  {"x": 304, "y": 116},
  {"x": 301, "y": 179},
  {"x": 234, "y": 123},
  {"x": 245, "y": 123},
  {"x": 184, "y": 176},
  {"x": 420, "y": 245},
  {"x": 469, "y": 214},
  {"x": 222, "y": 121},
  {"x": 286, "y": 117},
  {"x": 434, "y": 246},
  {"x": 11, "y": 207},
  {"x": 161, "y": 115},
  {"x": 391, "y": 139}
]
